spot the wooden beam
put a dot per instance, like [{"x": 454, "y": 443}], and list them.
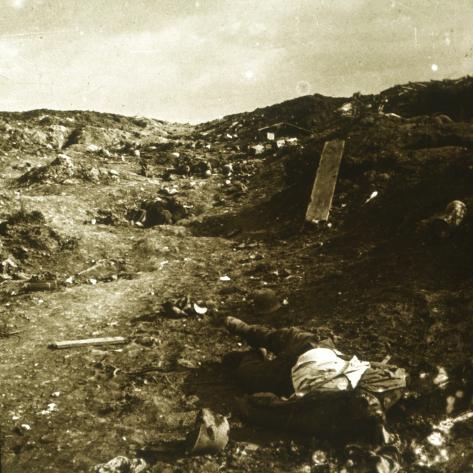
[
  {"x": 89, "y": 342},
  {"x": 325, "y": 181}
]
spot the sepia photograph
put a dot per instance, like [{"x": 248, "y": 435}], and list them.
[{"x": 236, "y": 236}]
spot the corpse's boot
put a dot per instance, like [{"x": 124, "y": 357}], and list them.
[
  {"x": 235, "y": 326},
  {"x": 238, "y": 327}
]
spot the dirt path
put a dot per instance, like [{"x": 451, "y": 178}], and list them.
[{"x": 75, "y": 384}]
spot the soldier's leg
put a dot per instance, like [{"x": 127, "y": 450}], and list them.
[
  {"x": 292, "y": 341},
  {"x": 257, "y": 374},
  {"x": 338, "y": 415}
]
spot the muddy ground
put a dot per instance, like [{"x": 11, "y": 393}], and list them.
[{"x": 115, "y": 216}]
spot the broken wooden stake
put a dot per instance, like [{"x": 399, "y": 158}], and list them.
[
  {"x": 88, "y": 342},
  {"x": 325, "y": 181}
]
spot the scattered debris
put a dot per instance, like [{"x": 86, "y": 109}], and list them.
[
  {"x": 441, "y": 379},
  {"x": 121, "y": 465},
  {"x": 366, "y": 278},
  {"x": 162, "y": 210},
  {"x": 52, "y": 407},
  {"x": 320, "y": 462},
  {"x": 200, "y": 310},
  {"x": 445, "y": 224},
  {"x": 210, "y": 434},
  {"x": 183, "y": 307},
  {"x": 385, "y": 459},
  {"x": 9, "y": 267},
  {"x": 372, "y": 196},
  {"x": 346, "y": 110},
  {"x": 257, "y": 149},
  {"x": 92, "y": 148},
  {"x": 283, "y": 129},
  {"x": 39, "y": 286},
  {"x": 62, "y": 170},
  {"x": 5, "y": 333},
  {"x": 435, "y": 450}
]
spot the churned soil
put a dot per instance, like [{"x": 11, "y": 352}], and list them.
[{"x": 105, "y": 219}]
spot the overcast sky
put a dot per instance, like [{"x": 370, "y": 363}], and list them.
[{"x": 193, "y": 60}]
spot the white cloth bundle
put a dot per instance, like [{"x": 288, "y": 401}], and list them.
[{"x": 323, "y": 369}]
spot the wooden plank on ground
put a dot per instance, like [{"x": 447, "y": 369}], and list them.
[
  {"x": 88, "y": 342},
  {"x": 325, "y": 181}
]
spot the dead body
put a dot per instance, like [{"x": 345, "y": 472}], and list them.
[{"x": 311, "y": 387}]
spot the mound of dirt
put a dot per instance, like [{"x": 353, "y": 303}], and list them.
[
  {"x": 311, "y": 112},
  {"x": 63, "y": 170},
  {"x": 162, "y": 210},
  {"x": 94, "y": 136},
  {"x": 15, "y": 135},
  {"x": 453, "y": 98},
  {"x": 26, "y": 237}
]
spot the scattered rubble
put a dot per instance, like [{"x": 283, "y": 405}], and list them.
[
  {"x": 63, "y": 170},
  {"x": 26, "y": 238},
  {"x": 183, "y": 307},
  {"x": 39, "y": 286},
  {"x": 446, "y": 223},
  {"x": 121, "y": 465},
  {"x": 91, "y": 182},
  {"x": 162, "y": 210},
  {"x": 210, "y": 434}
]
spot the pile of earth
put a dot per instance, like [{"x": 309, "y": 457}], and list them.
[
  {"x": 162, "y": 210},
  {"x": 402, "y": 159},
  {"x": 312, "y": 112},
  {"x": 63, "y": 170},
  {"x": 28, "y": 243},
  {"x": 43, "y": 131},
  {"x": 453, "y": 98}
]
